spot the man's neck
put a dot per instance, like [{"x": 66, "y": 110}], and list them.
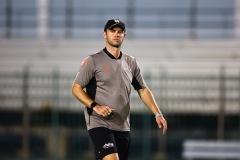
[{"x": 114, "y": 51}]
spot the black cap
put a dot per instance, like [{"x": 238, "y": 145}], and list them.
[{"x": 114, "y": 23}]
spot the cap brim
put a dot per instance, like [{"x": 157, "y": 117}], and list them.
[{"x": 116, "y": 25}]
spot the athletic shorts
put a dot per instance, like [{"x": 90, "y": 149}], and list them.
[{"x": 106, "y": 141}]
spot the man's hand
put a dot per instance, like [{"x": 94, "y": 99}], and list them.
[
  {"x": 103, "y": 110},
  {"x": 162, "y": 123}
]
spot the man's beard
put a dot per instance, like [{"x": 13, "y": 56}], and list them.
[{"x": 114, "y": 45}]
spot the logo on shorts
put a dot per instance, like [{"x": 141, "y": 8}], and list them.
[{"x": 108, "y": 145}]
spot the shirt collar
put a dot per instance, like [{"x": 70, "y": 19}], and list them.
[{"x": 110, "y": 55}]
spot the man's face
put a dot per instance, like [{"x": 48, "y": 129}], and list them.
[{"x": 115, "y": 36}]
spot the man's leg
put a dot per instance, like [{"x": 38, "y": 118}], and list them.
[
  {"x": 123, "y": 140},
  {"x": 113, "y": 156},
  {"x": 104, "y": 143}
]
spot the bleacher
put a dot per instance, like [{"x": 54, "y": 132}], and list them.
[{"x": 184, "y": 75}]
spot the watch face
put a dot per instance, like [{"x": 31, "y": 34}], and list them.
[{"x": 93, "y": 105}]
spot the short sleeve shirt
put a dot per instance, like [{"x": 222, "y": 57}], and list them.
[{"x": 108, "y": 81}]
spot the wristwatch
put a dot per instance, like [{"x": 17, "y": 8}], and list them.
[
  {"x": 93, "y": 105},
  {"x": 159, "y": 114}
]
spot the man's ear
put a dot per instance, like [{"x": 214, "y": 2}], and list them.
[{"x": 104, "y": 35}]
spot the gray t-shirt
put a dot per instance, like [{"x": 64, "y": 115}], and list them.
[{"x": 108, "y": 82}]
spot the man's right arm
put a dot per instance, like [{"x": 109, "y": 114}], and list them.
[{"x": 81, "y": 95}]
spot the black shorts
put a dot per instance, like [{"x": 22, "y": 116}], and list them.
[{"x": 106, "y": 141}]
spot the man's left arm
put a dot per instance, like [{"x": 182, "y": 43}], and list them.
[{"x": 148, "y": 99}]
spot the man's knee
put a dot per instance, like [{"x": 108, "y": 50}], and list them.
[{"x": 113, "y": 156}]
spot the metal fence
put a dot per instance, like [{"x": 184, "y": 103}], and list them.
[{"x": 204, "y": 94}]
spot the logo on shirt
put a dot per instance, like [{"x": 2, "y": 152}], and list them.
[
  {"x": 106, "y": 68},
  {"x": 85, "y": 62},
  {"x": 108, "y": 145}
]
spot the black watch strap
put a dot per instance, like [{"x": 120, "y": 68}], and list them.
[{"x": 93, "y": 105}]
